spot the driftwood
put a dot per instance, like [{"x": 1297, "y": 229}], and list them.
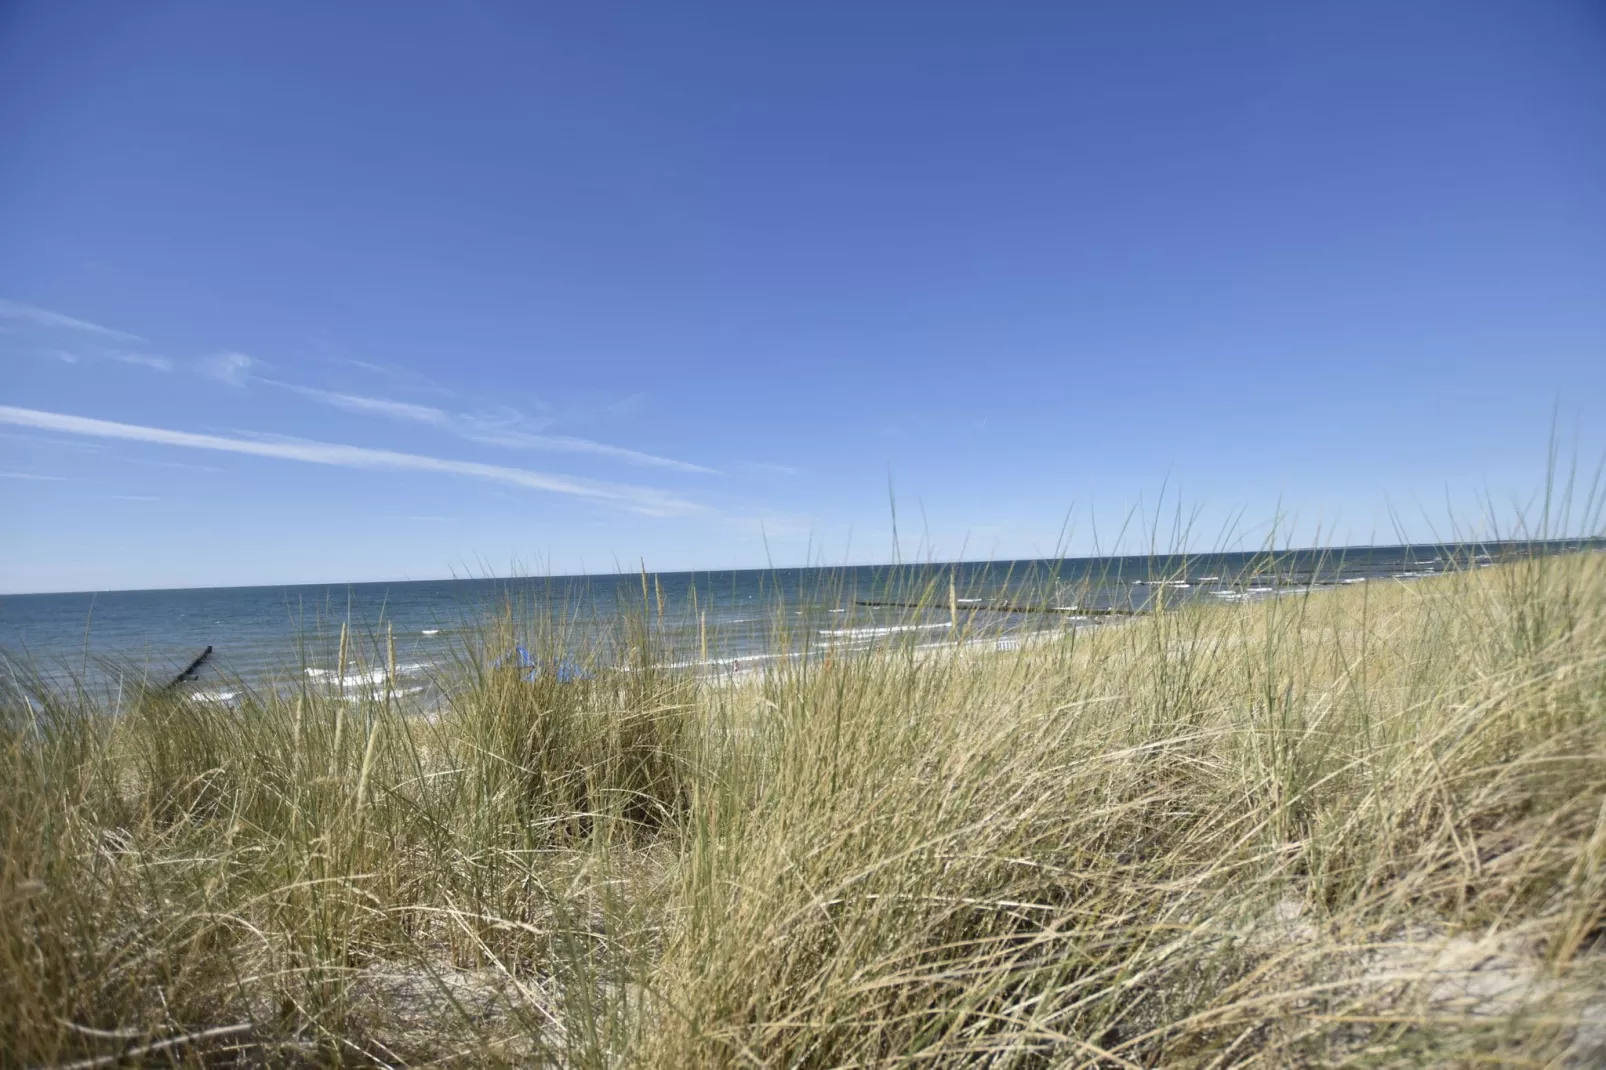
[{"x": 191, "y": 669}]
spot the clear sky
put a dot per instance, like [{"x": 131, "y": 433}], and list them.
[{"x": 326, "y": 292}]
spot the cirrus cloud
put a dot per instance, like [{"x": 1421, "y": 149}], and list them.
[
  {"x": 18, "y": 313},
  {"x": 636, "y": 499},
  {"x": 231, "y": 368},
  {"x": 483, "y": 430}
]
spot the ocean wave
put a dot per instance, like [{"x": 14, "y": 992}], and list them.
[
  {"x": 430, "y": 631},
  {"x": 219, "y": 697},
  {"x": 856, "y": 633},
  {"x": 355, "y": 679},
  {"x": 1244, "y": 595},
  {"x": 370, "y": 678},
  {"x": 378, "y": 693},
  {"x": 740, "y": 659}
]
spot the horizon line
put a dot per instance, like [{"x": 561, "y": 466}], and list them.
[{"x": 1579, "y": 542}]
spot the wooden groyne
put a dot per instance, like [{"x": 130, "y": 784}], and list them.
[{"x": 998, "y": 607}]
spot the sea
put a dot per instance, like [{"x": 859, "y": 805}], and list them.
[{"x": 411, "y": 637}]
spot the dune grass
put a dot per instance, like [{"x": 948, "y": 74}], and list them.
[{"x": 1364, "y": 826}]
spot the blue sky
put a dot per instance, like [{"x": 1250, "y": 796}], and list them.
[{"x": 321, "y": 292}]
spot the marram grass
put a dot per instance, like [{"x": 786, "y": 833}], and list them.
[{"x": 1354, "y": 827}]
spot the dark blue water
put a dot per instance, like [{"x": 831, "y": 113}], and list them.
[{"x": 261, "y": 634}]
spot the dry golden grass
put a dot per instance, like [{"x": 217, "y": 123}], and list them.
[{"x": 1356, "y": 827}]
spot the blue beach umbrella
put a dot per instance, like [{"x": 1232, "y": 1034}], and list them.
[{"x": 565, "y": 670}]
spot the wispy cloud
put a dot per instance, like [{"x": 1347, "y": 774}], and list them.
[
  {"x": 570, "y": 444},
  {"x": 487, "y": 431},
  {"x": 369, "y": 406},
  {"x": 768, "y": 468},
  {"x": 17, "y": 312},
  {"x": 54, "y": 443},
  {"x": 639, "y": 499},
  {"x": 507, "y": 430},
  {"x": 71, "y": 340},
  {"x": 31, "y": 475},
  {"x": 144, "y": 360},
  {"x": 231, "y": 368},
  {"x": 406, "y": 378}
]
